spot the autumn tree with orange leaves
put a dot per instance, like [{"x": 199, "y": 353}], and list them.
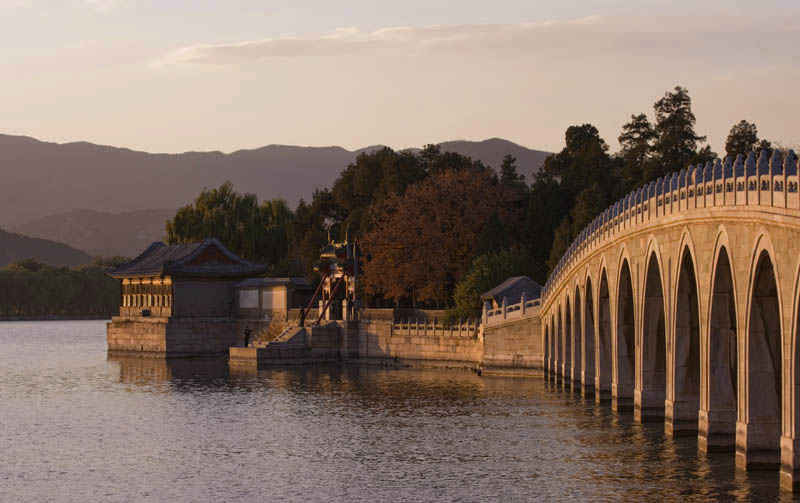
[{"x": 423, "y": 242}]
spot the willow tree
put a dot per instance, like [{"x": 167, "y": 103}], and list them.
[{"x": 253, "y": 231}]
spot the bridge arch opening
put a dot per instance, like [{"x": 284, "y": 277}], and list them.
[
  {"x": 589, "y": 363},
  {"x": 603, "y": 378},
  {"x": 559, "y": 338},
  {"x": 553, "y": 346},
  {"x": 577, "y": 347},
  {"x": 682, "y": 413},
  {"x": 622, "y": 389},
  {"x": 651, "y": 397},
  {"x": 718, "y": 424},
  {"x": 764, "y": 367},
  {"x": 567, "y": 342},
  {"x": 546, "y": 356}
]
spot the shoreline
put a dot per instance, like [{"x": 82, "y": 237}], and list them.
[{"x": 56, "y": 318}]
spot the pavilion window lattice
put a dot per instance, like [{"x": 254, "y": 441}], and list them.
[{"x": 146, "y": 295}]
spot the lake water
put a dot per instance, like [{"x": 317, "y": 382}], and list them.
[{"x": 76, "y": 425}]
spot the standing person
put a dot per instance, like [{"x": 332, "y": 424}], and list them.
[{"x": 247, "y": 333}]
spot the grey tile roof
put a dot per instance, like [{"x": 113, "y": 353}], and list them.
[
  {"x": 512, "y": 289},
  {"x": 175, "y": 260}
]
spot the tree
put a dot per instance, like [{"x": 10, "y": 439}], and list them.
[
  {"x": 584, "y": 160},
  {"x": 582, "y": 170},
  {"x": 676, "y": 143},
  {"x": 371, "y": 178},
  {"x": 254, "y": 232},
  {"x": 703, "y": 156},
  {"x": 509, "y": 175},
  {"x": 547, "y": 206},
  {"x": 493, "y": 236},
  {"x": 742, "y": 139},
  {"x": 486, "y": 272},
  {"x": 435, "y": 161},
  {"x": 561, "y": 241},
  {"x": 422, "y": 243},
  {"x": 636, "y": 144},
  {"x": 309, "y": 229}
]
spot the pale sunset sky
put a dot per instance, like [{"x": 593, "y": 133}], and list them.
[{"x": 178, "y": 75}]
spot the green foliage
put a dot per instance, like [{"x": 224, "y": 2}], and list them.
[
  {"x": 370, "y": 179},
  {"x": 486, "y": 272},
  {"x": 583, "y": 161},
  {"x": 636, "y": 145},
  {"x": 676, "y": 143},
  {"x": 509, "y": 175},
  {"x": 547, "y": 206},
  {"x": 576, "y": 182},
  {"x": 252, "y": 231},
  {"x": 743, "y": 139},
  {"x": 29, "y": 288},
  {"x": 493, "y": 237}
]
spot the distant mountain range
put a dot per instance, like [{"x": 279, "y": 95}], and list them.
[
  {"x": 14, "y": 247},
  {"x": 105, "y": 234},
  {"x": 101, "y": 199}
]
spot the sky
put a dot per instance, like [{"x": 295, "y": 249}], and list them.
[{"x": 181, "y": 75}]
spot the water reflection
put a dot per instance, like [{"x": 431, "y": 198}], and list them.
[
  {"x": 152, "y": 429},
  {"x": 181, "y": 373}
]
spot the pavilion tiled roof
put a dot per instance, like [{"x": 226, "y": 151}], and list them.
[
  {"x": 186, "y": 260},
  {"x": 512, "y": 289}
]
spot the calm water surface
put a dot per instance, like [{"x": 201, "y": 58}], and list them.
[{"x": 76, "y": 425}]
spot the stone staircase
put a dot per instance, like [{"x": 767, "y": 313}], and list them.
[{"x": 290, "y": 336}]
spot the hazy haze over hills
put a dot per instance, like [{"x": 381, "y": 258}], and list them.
[
  {"x": 105, "y": 234},
  {"x": 42, "y": 179},
  {"x": 14, "y": 247}
]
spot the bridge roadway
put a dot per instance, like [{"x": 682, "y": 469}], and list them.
[{"x": 680, "y": 301}]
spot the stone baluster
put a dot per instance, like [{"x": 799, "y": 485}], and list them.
[
  {"x": 727, "y": 184},
  {"x": 708, "y": 185},
  {"x": 764, "y": 180},
  {"x": 776, "y": 182},
  {"x": 790, "y": 167},
  {"x": 739, "y": 181}
]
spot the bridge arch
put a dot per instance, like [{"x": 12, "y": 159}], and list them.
[
  {"x": 651, "y": 389},
  {"x": 684, "y": 371},
  {"x": 604, "y": 366},
  {"x": 568, "y": 345},
  {"x": 577, "y": 342},
  {"x": 760, "y": 412},
  {"x": 589, "y": 360},
  {"x": 623, "y": 382},
  {"x": 791, "y": 428},
  {"x": 720, "y": 363},
  {"x": 546, "y": 348},
  {"x": 553, "y": 337},
  {"x": 559, "y": 343},
  {"x": 728, "y": 295}
]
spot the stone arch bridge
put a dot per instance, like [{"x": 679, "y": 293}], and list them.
[{"x": 680, "y": 301}]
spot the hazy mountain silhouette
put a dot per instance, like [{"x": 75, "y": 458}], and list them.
[
  {"x": 105, "y": 234},
  {"x": 15, "y": 247},
  {"x": 41, "y": 179}
]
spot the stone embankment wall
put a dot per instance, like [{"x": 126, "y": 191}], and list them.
[
  {"x": 420, "y": 345},
  {"x": 171, "y": 338},
  {"x": 513, "y": 343}
]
